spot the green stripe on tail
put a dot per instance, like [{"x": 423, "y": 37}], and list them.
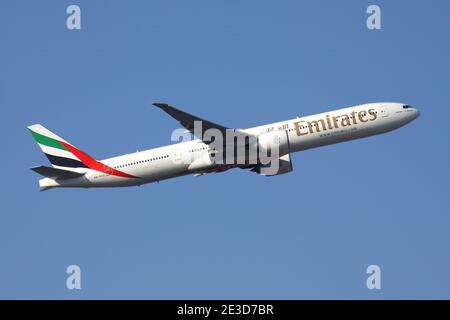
[{"x": 41, "y": 139}]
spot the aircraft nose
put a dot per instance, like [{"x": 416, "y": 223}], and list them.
[{"x": 413, "y": 112}]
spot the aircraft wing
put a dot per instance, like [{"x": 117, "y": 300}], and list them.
[
  {"x": 187, "y": 120},
  {"x": 54, "y": 173}
]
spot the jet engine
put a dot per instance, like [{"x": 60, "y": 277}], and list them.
[
  {"x": 273, "y": 144},
  {"x": 278, "y": 166}
]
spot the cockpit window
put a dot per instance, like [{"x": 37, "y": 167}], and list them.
[{"x": 406, "y": 106}]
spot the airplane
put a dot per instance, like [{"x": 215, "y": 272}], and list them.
[{"x": 74, "y": 168}]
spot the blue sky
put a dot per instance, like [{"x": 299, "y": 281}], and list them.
[{"x": 308, "y": 234}]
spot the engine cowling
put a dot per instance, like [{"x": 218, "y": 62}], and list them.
[
  {"x": 276, "y": 167},
  {"x": 275, "y": 141},
  {"x": 200, "y": 164}
]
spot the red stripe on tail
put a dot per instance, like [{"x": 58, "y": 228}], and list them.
[{"x": 94, "y": 164}]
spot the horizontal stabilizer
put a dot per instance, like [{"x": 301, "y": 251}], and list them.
[{"x": 54, "y": 173}]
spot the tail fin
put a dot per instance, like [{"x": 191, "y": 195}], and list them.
[{"x": 58, "y": 151}]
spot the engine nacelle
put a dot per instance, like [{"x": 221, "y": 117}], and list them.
[
  {"x": 200, "y": 164},
  {"x": 276, "y": 167},
  {"x": 275, "y": 143}
]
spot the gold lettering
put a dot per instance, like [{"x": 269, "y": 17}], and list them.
[
  {"x": 354, "y": 117},
  {"x": 361, "y": 116},
  {"x": 315, "y": 124},
  {"x": 335, "y": 121},
  {"x": 330, "y": 125},
  {"x": 298, "y": 128},
  {"x": 345, "y": 120},
  {"x": 373, "y": 113}
]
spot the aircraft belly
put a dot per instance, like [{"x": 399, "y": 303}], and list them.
[{"x": 162, "y": 171}]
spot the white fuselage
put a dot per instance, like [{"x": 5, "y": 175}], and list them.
[{"x": 302, "y": 133}]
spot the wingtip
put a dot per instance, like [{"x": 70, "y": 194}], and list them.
[{"x": 160, "y": 105}]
